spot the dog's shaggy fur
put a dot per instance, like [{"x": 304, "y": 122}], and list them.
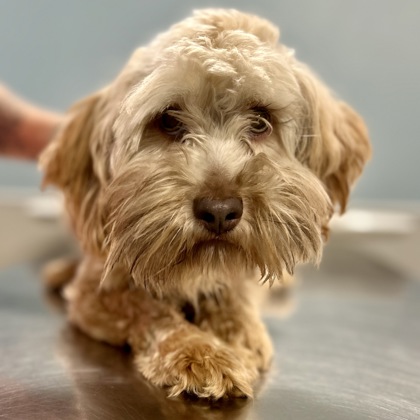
[{"x": 213, "y": 111}]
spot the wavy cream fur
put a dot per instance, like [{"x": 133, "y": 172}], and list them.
[{"x": 129, "y": 190}]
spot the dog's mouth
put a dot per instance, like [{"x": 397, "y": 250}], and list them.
[
  {"x": 218, "y": 242},
  {"x": 217, "y": 251},
  {"x": 207, "y": 253}
]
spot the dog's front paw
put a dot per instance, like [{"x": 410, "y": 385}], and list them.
[
  {"x": 199, "y": 367},
  {"x": 255, "y": 338}
]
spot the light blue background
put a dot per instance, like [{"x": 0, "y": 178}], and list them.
[{"x": 56, "y": 51}]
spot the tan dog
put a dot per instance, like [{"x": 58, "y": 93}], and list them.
[{"x": 212, "y": 161}]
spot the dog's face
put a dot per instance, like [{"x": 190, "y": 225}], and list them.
[{"x": 214, "y": 153}]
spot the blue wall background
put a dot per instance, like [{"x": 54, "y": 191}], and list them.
[{"x": 56, "y": 51}]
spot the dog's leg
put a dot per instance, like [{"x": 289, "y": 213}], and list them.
[
  {"x": 168, "y": 350},
  {"x": 233, "y": 316},
  {"x": 59, "y": 272}
]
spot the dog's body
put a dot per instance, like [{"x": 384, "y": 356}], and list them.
[{"x": 213, "y": 160}]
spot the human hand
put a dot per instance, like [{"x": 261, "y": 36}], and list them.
[{"x": 25, "y": 129}]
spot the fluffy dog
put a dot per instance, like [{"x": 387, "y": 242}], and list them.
[{"x": 213, "y": 160}]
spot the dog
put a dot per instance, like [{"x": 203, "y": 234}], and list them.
[{"x": 213, "y": 163}]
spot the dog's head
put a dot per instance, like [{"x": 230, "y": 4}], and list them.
[{"x": 214, "y": 152}]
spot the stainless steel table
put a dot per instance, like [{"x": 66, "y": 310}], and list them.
[{"x": 347, "y": 341}]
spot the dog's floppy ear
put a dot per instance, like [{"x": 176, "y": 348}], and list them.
[
  {"x": 335, "y": 143},
  {"x": 72, "y": 163}
]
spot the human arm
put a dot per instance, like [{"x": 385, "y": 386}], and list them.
[{"x": 25, "y": 129}]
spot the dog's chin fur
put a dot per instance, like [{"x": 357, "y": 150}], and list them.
[{"x": 130, "y": 184}]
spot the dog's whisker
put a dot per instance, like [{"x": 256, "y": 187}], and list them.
[
  {"x": 248, "y": 143},
  {"x": 278, "y": 222}
]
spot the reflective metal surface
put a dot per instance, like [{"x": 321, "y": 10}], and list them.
[{"x": 348, "y": 349}]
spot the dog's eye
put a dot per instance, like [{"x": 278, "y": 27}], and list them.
[
  {"x": 261, "y": 122},
  {"x": 170, "y": 124}
]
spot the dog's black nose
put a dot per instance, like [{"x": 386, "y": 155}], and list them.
[{"x": 218, "y": 216}]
